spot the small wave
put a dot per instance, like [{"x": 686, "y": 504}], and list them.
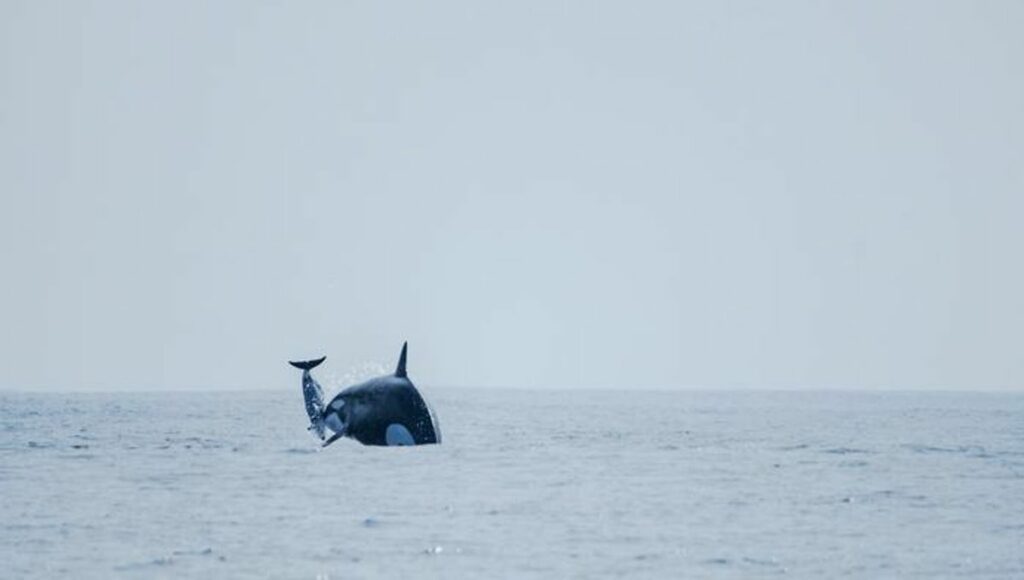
[
  {"x": 717, "y": 561},
  {"x": 853, "y": 464},
  {"x": 192, "y": 443},
  {"x": 170, "y": 559},
  {"x": 772, "y": 562},
  {"x": 969, "y": 450},
  {"x": 437, "y": 550},
  {"x": 78, "y": 456},
  {"x": 203, "y": 552},
  {"x": 643, "y": 557},
  {"x": 844, "y": 450},
  {"x": 160, "y": 561},
  {"x": 302, "y": 450}
]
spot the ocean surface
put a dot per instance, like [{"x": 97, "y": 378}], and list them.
[{"x": 527, "y": 484}]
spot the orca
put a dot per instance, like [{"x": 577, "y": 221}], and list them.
[{"x": 386, "y": 410}]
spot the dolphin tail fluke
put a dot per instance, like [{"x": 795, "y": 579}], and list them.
[
  {"x": 400, "y": 371},
  {"x": 307, "y": 364}
]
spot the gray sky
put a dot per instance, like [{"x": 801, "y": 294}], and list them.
[{"x": 533, "y": 193}]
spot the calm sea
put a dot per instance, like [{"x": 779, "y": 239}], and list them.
[{"x": 546, "y": 484}]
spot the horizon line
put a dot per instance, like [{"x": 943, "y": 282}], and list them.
[{"x": 193, "y": 389}]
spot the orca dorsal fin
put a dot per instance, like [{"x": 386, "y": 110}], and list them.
[{"x": 400, "y": 370}]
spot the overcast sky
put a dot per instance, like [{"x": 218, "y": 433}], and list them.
[{"x": 533, "y": 193}]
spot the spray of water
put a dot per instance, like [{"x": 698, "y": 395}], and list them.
[{"x": 335, "y": 382}]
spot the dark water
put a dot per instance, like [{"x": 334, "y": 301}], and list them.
[{"x": 585, "y": 484}]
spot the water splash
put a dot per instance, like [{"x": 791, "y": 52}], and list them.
[{"x": 336, "y": 382}]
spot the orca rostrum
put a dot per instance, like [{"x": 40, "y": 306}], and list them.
[{"x": 386, "y": 410}]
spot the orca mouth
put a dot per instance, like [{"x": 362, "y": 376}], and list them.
[{"x": 334, "y": 422}]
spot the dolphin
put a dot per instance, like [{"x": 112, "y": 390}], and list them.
[
  {"x": 313, "y": 394},
  {"x": 386, "y": 410}
]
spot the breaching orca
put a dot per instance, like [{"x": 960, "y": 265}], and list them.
[{"x": 387, "y": 410}]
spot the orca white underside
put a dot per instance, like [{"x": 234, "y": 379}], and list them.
[{"x": 397, "y": 434}]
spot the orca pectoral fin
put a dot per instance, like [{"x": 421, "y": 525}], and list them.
[{"x": 333, "y": 438}]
